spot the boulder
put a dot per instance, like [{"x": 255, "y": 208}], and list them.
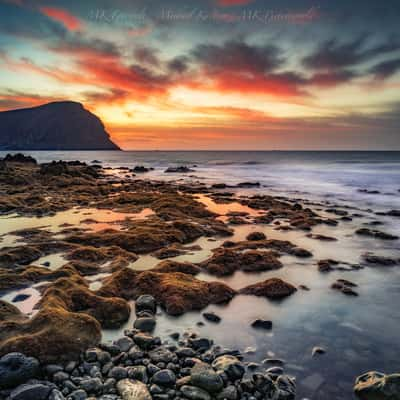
[
  {"x": 16, "y": 368},
  {"x": 146, "y": 302}
]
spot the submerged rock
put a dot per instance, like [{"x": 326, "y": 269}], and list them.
[
  {"x": 262, "y": 324},
  {"x": 202, "y": 375},
  {"x": 377, "y": 386},
  {"x": 376, "y": 234}
]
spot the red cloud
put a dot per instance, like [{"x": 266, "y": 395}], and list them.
[{"x": 63, "y": 16}]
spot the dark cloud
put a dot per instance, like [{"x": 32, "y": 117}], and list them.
[
  {"x": 178, "y": 65},
  {"x": 386, "y": 69},
  {"x": 238, "y": 56},
  {"x": 332, "y": 54},
  {"x": 146, "y": 55}
]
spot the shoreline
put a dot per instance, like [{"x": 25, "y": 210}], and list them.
[{"x": 178, "y": 220}]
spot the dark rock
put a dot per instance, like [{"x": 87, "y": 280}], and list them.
[
  {"x": 164, "y": 377},
  {"x": 35, "y": 391},
  {"x": 379, "y": 260},
  {"x": 194, "y": 393},
  {"x": 77, "y": 395},
  {"x": 18, "y": 157},
  {"x": 230, "y": 365},
  {"x": 317, "y": 350},
  {"x": 200, "y": 343},
  {"x": 118, "y": 373},
  {"x": 212, "y": 317},
  {"x": 181, "y": 170},
  {"x": 140, "y": 169},
  {"x": 124, "y": 343},
  {"x": 248, "y": 184},
  {"x": 376, "y": 234},
  {"x": 253, "y": 236},
  {"x": 145, "y": 324},
  {"x": 20, "y": 297},
  {"x": 205, "y": 377},
  {"x": 262, "y": 323},
  {"x": 16, "y": 368}
]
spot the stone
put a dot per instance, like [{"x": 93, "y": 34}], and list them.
[
  {"x": 205, "y": 377},
  {"x": 124, "y": 343},
  {"x": 36, "y": 391},
  {"x": 195, "y": 393},
  {"x": 212, "y": 317},
  {"x": 200, "y": 343},
  {"x": 91, "y": 385},
  {"x": 317, "y": 350},
  {"x": 229, "y": 365},
  {"x": 16, "y": 368},
  {"x": 228, "y": 393},
  {"x": 146, "y": 302},
  {"x": 262, "y": 324},
  {"x": 377, "y": 386},
  {"x": 78, "y": 395},
  {"x": 133, "y": 390},
  {"x": 145, "y": 324},
  {"x": 138, "y": 372},
  {"x": 165, "y": 377},
  {"x": 161, "y": 354},
  {"x": 118, "y": 373}
]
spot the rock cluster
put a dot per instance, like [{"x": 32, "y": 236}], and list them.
[{"x": 139, "y": 366}]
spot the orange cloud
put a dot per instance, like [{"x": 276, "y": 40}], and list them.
[{"x": 60, "y": 15}]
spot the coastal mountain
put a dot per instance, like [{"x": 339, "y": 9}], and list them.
[{"x": 64, "y": 125}]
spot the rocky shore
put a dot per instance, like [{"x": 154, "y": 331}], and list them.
[
  {"x": 139, "y": 366},
  {"x": 57, "y": 352}
]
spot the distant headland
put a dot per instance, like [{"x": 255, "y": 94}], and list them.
[{"x": 63, "y": 125}]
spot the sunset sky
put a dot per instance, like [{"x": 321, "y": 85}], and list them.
[{"x": 212, "y": 74}]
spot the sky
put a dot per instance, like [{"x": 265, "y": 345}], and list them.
[{"x": 212, "y": 74}]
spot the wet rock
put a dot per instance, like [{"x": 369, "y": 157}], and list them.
[
  {"x": 226, "y": 261},
  {"x": 124, "y": 343},
  {"x": 195, "y": 393},
  {"x": 212, "y": 317},
  {"x": 145, "y": 324},
  {"x": 317, "y": 351},
  {"x": 200, "y": 343},
  {"x": 79, "y": 394},
  {"x": 379, "y": 260},
  {"x": 16, "y": 368},
  {"x": 133, "y": 390},
  {"x": 36, "y": 391},
  {"x": 273, "y": 288},
  {"x": 248, "y": 184},
  {"x": 180, "y": 170},
  {"x": 262, "y": 324},
  {"x": 256, "y": 236},
  {"x": 165, "y": 377},
  {"x": 146, "y": 303},
  {"x": 377, "y": 386},
  {"x": 345, "y": 287},
  {"x": 139, "y": 373},
  {"x": 230, "y": 365},
  {"x": 322, "y": 238},
  {"x": 228, "y": 393},
  {"x": 161, "y": 354},
  {"x": 327, "y": 265},
  {"x": 140, "y": 169},
  {"x": 202, "y": 375},
  {"x": 20, "y": 158},
  {"x": 169, "y": 266},
  {"x": 393, "y": 213},
  {"x": 376, "y": 234},
  {"x": 118, "y": 373}
]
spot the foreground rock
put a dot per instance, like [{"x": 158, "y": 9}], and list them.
[
  {"x": 273, "y": 288},
  {"x": 377, "y": 386},
  {"x": 139, "y": 366},
  {"x": 16, "y": 368}
]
